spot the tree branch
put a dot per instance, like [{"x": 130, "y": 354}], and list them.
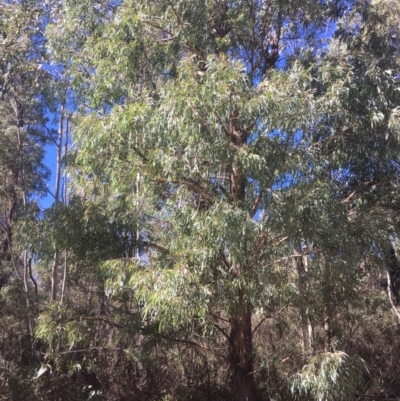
[
  {"x": 221, "y": 330},
  {"x": 269, "y": 316},
  {"x": 31, "y": 276},
  {"x": 119, "y": 326},
  {"x": 296, "y": 255},
  {"x": 191, "y": 184},
  {"x": 193, "y": 344},
  {"x": 331, "y": 138},
  {"x": 91, "y": 349},
  {"x": 280, "y": 241},
  {"x": 154, "y": 246},
  {"x": 255, "y": 205},
  {"x": 366, "y": 185}
]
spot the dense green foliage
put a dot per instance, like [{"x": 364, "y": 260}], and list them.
[{"x": 233, "y": 200}]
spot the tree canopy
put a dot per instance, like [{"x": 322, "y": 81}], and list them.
[{"x": 232, "y": 206}]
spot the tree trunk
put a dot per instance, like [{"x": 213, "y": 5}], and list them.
[
  {"x": 241, "y": 356},
  {"x": 307, "y": 329},
  {"x": 64, "y": 284},
  {"x": 240, "y": 336},
  {"x": 26, "y": 290},
  {"x": 327, "y": 330},
  {"x": 393, "y": 269},
  {"x": 65, "y": 279},
  {"x": 390, "y": 296},
  {"x": 54, "y": 271},
  {"x": 310, "y": 328},
  {"x": 328, "y": 309},
  {"x": 54, "y": 277},
  {"x": 19, "y": 114}
]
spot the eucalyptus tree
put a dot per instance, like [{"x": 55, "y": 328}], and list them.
[
  {"x": 213, "y": 130},
  {"x": 23, "y": 175},
  {"x": 20, "y": 79},
  {"x": 362, "y": 158}
]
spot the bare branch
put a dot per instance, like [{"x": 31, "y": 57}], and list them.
[
  {"x": 331, "y": 138},
  {"x": 103, "y": 320},
  {"x": 269, "y": 316},
  {"x": 221, "y": 330},
  {"x": 296, "y": 255},
  {"x": 193, "y": 344},
  {"x": 255, "y": 205},
  {"x": 154, "y": 246}
]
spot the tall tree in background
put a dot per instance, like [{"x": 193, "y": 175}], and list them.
[
  {"x": 22, "y": 85},
  {"x": 22, "y": 136}
]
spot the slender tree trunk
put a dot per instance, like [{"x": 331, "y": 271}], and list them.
[
  {"x": 310, "y": 328},
  {"x": 19, "y": 114},
  {"x": 33, "y": 282},
  {"x": 65, "y": 200},
  {"x": 328, "y": 309},
  {"x": 59, "y": 143},
  {"x": 307, "y": 329},
  {"x": 327, "y": 331},
  {"x": 393, "y": 269},
  {"x": 137, "y": 233},
  {"x": 26, "y": 290},
  {"x": 54, "y": 269},
  {"x": 65, "y": 279},
  {"x": 54, "y": 277},
  {"x": 303, "y": 318},
  {"x": 303, "y": 334},
  {"x": 65, "y": 183},
  {"x": 390, "y": 296}
]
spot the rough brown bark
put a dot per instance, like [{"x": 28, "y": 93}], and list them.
[
  {"x": 240, "y": 336},
  {"x": 241, "y": 357},
  {"x": 393, "y": 269}
]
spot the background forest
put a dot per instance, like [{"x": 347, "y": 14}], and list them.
[{"x": 225, "y": 216}]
